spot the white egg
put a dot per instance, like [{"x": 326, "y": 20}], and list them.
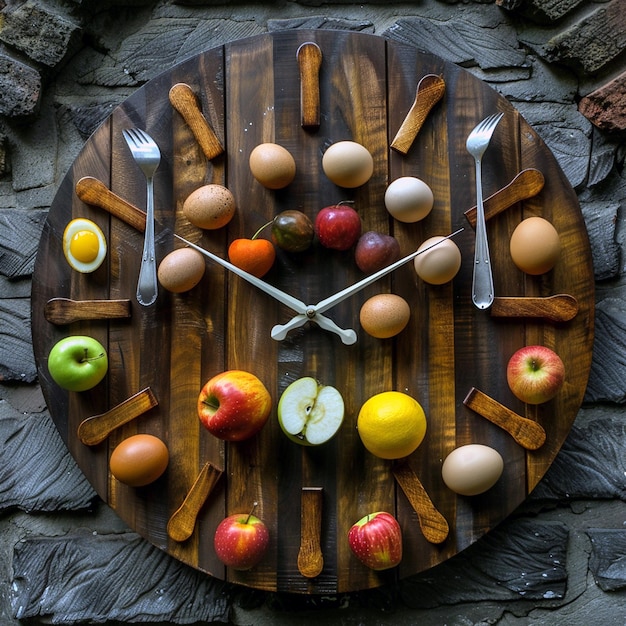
[
  {"x": 439, "y": 263},
  {"x": 409, "y": 199},
  {"x": 84, "y": 245},
  {"x": 472, "y": 469}
]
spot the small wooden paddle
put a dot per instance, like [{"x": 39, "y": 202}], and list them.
[
  {"x": 93, "y": 191},
  {"x": 309, "y": 58},
  {"x": 557, "y": 308},
  {"x": 185, "y": 101},
  {"x": 526, "y": 184},
  {"x": 433, "y": 524},
  {"x": 310, "y": 557},
  {"x": 97, "y": 428},
  {"x": 430, "y": 90},
  {"x": 66, "y": 311},
  {"x": 526, "y": 432},
  {"x": 183, "y": 521}
]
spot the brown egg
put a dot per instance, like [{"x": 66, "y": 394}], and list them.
[
  {"x": 535, "y": 245},
  {"x": 181, "y": 270},
  {"x": 384, "y": 315},
  {"x": 209, "y": 207},
  {"x": 139, "y": 460},
  {"x": 348, "y": 164},
  {"x": 272, "y": 165}
]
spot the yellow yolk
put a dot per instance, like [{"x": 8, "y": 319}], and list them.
[{"x": 84, "y": 246}]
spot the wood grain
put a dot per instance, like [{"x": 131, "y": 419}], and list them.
[{"x": 249, "y": 93}]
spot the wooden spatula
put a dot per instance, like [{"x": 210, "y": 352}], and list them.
[
  {"x": 526, "y": 184},
  {"x": 97, "y": 428},
  {"x": 430, "y": 90},
  {"x": 433, "y": 524},
  {"x": 526, "y": 432},
  {"x": 65, "y": 310},
  {"x": 183, "y": 521},
  {"x": 310, "y": 557},
  {"x": 185, "y": 101},
  {"x": 309, "y": 58},
  {"x": 93, "y": 191},
  {"x": 557, "y": 308}
]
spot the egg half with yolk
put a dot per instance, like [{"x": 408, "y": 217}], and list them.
[{"x": 84, "y": 245}]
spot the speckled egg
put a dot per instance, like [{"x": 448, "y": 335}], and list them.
[
  {"x": 209, "y": 207},
  {"x": 384, "y": 315}
]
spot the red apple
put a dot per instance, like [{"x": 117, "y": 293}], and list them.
[
  {"x": 376, "y": 540},
  {"x": 241, "y": 540},
  {"x": 376, "y": 250},
  {"x": 234, "y": 405},
  {"x": 535, "y": 374},
  {"x": 338, "y": 227}
]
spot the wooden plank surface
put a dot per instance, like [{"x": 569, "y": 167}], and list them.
[{"x": 249, "y": 92}]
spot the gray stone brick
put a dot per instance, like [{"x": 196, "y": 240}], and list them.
[
  {"x": 40, "y": 33},
  {"x": 91, "y": 579},
  {"x": 37, "y": 472},
  {"x": 20, "y": 88},
  {"x": 608, "y": 558}
]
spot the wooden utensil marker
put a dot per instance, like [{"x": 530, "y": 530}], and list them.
[
  {"x": 62, "y": 311},
  {"x": 310, "y": 557},
  {"x": 93, "y": 191},
  {"x": 527, "y": 184},
  {"x": 185, "y": 101},
  {"x": 529, "y": 434},
  {"x": 557, "y": 308},
  {"x": 97, "y": 428},
  {"x": 433, "y": 524},
  {"x": 430, "y": 90},
  {"x": 183, "y": 521},
  {"x": 309, "y": 58}
]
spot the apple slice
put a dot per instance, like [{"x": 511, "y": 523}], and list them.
[{"x": 310, "y": 413}]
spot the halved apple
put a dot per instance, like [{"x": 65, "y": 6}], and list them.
[{"x": 310, "y": 413}]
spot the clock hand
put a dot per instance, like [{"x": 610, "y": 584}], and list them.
[
  {"x": 331, "y": 301},
  {"x": 313, "y": 312},
  {"x": 305, "y": 312},
  {"x": 284, "y": 298}
]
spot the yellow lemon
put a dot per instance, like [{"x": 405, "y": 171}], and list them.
[{"x": 391, "y": 424}]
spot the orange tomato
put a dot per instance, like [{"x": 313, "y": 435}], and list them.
[{"x": 255, "y": 256}]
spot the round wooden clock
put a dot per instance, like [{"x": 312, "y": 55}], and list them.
[{"x": 451, "y": 357}]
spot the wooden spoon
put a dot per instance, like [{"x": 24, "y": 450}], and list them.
[
  {"x": 526, "y": 432},
  {"x": 93, "y": 191},
  {"x": 430, "y": 90},
  {"x": 433, "y": 524},
  {"x": 183, "y": 521},
  {"x": 526, "y": 184},
  {"x": 310, "y": 557},
  {"x": 185, "y": 101},
  {"x": 65, "y": 311},
  {"x": 97, "y": 428},
  {"x": 558, "y": 308},
  {"x": 309, "y": 58}
]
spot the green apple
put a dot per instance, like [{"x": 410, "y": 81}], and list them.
[
  {"x": 77, "y": 363},
  {"x": 310, "y": 413}
]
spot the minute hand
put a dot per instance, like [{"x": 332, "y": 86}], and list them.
[
  {"x": 331, "y": 301},
  {"x": 305, "y": 313}
]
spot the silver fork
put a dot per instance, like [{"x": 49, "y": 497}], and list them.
[
  {"x": 482, "y": 282},
  {"x": 148, "y": 156}
]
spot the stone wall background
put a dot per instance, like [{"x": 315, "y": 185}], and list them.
[{"x": 66, "y": 557}]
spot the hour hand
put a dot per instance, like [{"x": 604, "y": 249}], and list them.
[{"x": 280, "y": 331}]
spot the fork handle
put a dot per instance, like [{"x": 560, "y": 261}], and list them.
[
  {"x": 482, "y": 283},
  {"x": 147, "y": 288}
]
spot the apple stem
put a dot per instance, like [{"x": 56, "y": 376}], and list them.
[
  {"x": 258, "y": 232},
  {"x": 345, "y": 202},
  {"x": 254, "y": 506},
  {"x": 86, "y": 358}
]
